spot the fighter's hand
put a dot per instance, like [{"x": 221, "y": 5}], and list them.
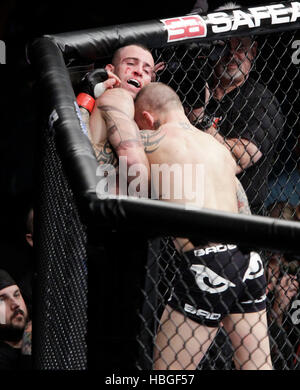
[
  {"x": 113, "y": 81},
  {"x": 93, "y": 85},
  {"x": 96, "y": 82},
  {"x": 157, "y": 68},
  {"x": 286, "y": 290}
]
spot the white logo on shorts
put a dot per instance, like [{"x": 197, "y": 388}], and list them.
[
  {"x": 258, "y": 300},
  {"x": 213, "y": 249},
  {"x": 255, "y": 268},
  {"x": 208, "y": 280},
  {"x": 201, "y": 313}
]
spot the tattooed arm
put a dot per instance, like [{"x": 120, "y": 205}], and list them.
[
  {"x": 243, "y": 204},
  {"x": 27, "y": 339},
  {"x": 117, "y": 111},
  {"x": 103, "y": 150}
]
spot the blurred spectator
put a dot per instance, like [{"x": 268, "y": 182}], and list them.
[
  {"x": 285, "y": 187},
  {"x": 283, "y": 275},
  {"x": 282, "y": 210},
  {"x": 297, "y": 212},
  {"x": 200, "y": 7},
  {"x": 15, "y": 326},
  {"x": 283, "y": 287},
  {"x": 26, "y": 271}
]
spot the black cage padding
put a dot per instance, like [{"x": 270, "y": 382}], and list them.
[
  {"x": 76, "y": 228},
  {"x": 93, "y": 44}
]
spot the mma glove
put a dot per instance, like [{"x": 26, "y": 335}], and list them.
[
  {"x": 206, "y": 122},
  {"x": 91, "y": 86}
]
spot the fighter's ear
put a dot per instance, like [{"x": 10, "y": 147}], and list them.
[
  {"x": 110, "y": 67},
  {"x": 149, "y": 120}
]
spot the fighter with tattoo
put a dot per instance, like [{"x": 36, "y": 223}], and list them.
[
  {"x": 216, "y": 282},
  {"x": 111, "y": 127}
]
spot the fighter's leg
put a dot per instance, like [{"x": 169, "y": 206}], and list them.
[
  {"x": 180, "y": 342},
  {"x": 249, "y": 336}
]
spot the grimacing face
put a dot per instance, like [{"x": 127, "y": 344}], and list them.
[
  {"x": 13, "y": 308},
  {"x": 235, "y": 67},
  {"x": 134, "y": 66}
]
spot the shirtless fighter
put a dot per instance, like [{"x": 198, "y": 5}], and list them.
[
  {"x": 106, "y": 105},
  {"x": 217, "y": 282}
]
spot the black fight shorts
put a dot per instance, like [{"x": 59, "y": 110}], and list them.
[{"x": 217, "y": 281}]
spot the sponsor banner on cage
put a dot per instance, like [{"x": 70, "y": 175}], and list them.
[
  {"x": 185, "y": 27},
  {"x": 236, "y": 20}
]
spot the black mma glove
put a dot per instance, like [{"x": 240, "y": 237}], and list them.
[
  {"x": 206, "y": 122},
  {"x": 91, "y": 87}
]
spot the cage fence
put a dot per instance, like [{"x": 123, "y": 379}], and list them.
[{"x": 134, "y": 276}]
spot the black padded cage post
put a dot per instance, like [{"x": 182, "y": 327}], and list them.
[{"x": 113, "y": 242}]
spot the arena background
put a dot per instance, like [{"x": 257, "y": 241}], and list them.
[{"x": 20, "y": 23}]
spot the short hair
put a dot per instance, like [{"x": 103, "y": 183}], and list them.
[
  {"x": 227, "y": 6},
  {"x": 117, "y": 52},
  {"x": 230, "y": 5},
  {"x": 157, "y": 96}
]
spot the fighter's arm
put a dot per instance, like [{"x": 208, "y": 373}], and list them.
[
  {"x": 243, "y": 204},
  {"x": 96, "y": 133},
  {"x": 92, "y": 87},
  {"x": 116, "y": 109}
]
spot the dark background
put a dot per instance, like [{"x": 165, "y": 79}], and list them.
[{"x": 20, "y": 22}]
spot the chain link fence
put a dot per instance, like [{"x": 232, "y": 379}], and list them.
[
  {"x": 266, "y": 112},
  {"x": 155, "y": 316}
]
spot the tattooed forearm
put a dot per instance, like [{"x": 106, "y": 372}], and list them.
[
  {"x": 106, "y": 155},
  {"x": 151, "y": 139},
  {"x": 106, "y": 108},
  {"x": 243, "y": 204},
  {"x": 27, "y": 340},
  {"x": 122, "y": 131}
]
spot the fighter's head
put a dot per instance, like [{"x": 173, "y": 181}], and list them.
[
  {"x": 154, "y": 103},
  {"x": 13, "y": 310},
  {"x": 134, "y": 65}
]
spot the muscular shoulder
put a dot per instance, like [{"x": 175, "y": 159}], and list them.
[
  {"x": 115, "y": 93},
  {"x": 116, "y": 99},
  {"x": 219, "y": 151},
  {"x": 152, "y": 139}
]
